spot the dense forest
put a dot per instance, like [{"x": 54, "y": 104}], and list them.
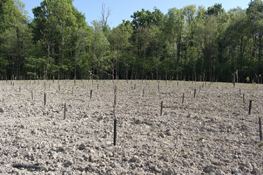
[{"x": 192, "y": 43}]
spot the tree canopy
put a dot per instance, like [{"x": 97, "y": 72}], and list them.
[{"x": 191, "y": 43}]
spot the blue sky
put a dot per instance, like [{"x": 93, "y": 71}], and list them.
[{"x": 124, "y": 9}]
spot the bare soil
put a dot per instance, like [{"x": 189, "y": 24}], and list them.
[{"x": 209, "y": 134}]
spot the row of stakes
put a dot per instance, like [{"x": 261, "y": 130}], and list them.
[
  {"x": 249, "y": 111},
  {"x": 161, "y": 112},
  {"x": 115, "y": 120}
]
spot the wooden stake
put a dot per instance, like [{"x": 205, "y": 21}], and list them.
[
  {"x": 65, "y": 109},
  {"x": 243, "y": 98},
  {"x": 194, "y": 92},
  {"x": 183, "y": 99},
  {"x": 115, "y": 132},
  {"x": 32, "y": 94},
  {"x": 250, "y": 105},
  {"x": 45, "y": 99},
  {"x": 161, "y": 113},
  {"x": 115, "y": 119},
  {"x": 90, "y": 94},
  {"x": 260, "y": 128}
]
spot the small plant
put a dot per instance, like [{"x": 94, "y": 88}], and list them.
[
  {"x": 224, "y": 106},
  {"x": 247, "y": 79},
  {"x": 260, "y": 144},
  {"x": 202, "y": 138},
  {"x": 153, "y": 128},
  {"x": 214, "y": 162}
]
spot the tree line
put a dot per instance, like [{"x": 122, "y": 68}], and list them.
[{"x": 191, "y": 43}]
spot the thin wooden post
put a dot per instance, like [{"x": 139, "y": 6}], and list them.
[
  {"x": 243, "y": 98},
  {"x": 143, "y": 92},
  {"x": 194, "y": 92},
  {"x": 97, "y": 86},
  {"x": 65, "y": 109},
  {"x": 90, "y": 94},
  {"x": 250, "y": 105},
  {"x": 115, "y": 132},
  {"x": 161, "y": 113},
  {"x": 260, "y": 128},
  {"x": 45, "y": 99},
  {"x": 115, "y": 119},
  {"x": 32, "y": 94},
  {"x": 183, "y": 99}
]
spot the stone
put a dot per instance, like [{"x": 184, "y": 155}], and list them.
[
  {"x": 208, "y": 169},
  {"x": 234, "y": 170},
  {"x": 67, "y": 163},
  {"x": 168, "y": 133},
  {"x": 189, "y": 115},
  {"x": 93, "y": 158},
  {"x": 1, "y": 110},
  {"x": 155, "y": 168},
  {"x": 61, "y": 149},
  {"x": 220, "y": 172},
  {"x": 161, "y": 135},
  {"x": 81, "y": 146},
  {"x": 138, "y": 122},
  {"x": 256, "y": 171},
  {"x": 134, "y": 159}
]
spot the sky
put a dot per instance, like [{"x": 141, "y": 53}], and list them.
[{"x": 121, "y": 9}]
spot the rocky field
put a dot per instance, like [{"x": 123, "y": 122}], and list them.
[{"x": 209, "y": 134}]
